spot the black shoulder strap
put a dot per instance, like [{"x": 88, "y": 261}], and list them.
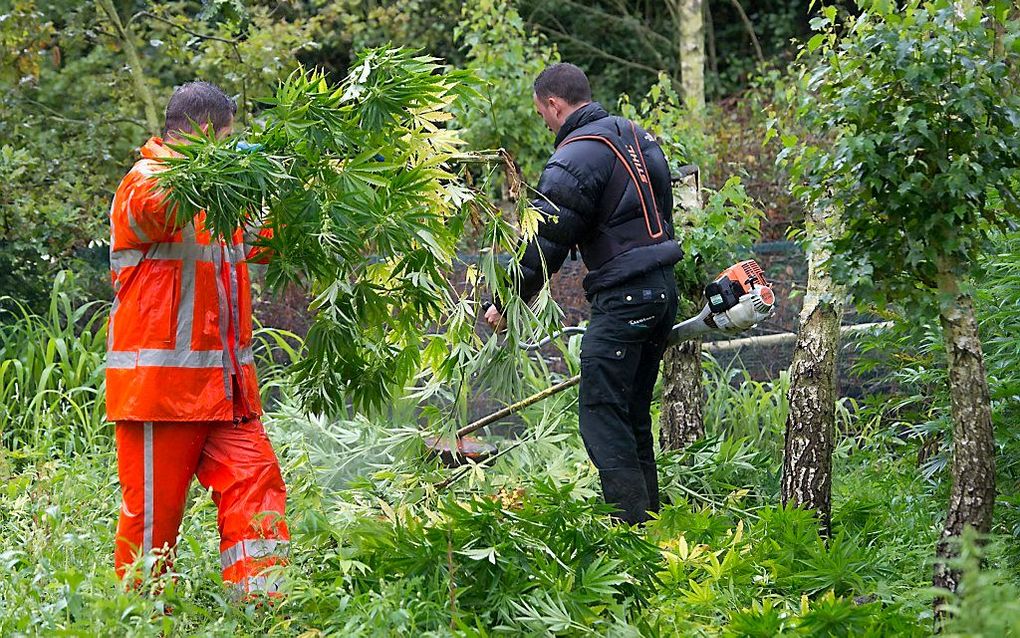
[{"x": 614, "y": 190}]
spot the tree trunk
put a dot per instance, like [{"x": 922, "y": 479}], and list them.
[
  {"x": 681, "y": 421},
  {"x": 692, "y": 52},
  {"x": 681, "y": 418},
  {"x": 126, "y": 39},
  {"x": 972, "y": 499},
  {"x": 810, "y": 426}
]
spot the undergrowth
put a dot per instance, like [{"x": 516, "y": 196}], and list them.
[{"x": 523, "y": 547}]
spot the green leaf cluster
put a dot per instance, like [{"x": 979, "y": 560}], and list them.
[
  {"x": 507, "y": 55},
  {"x": 913, "y": 112},
  {"x": 358, "y": 183}
]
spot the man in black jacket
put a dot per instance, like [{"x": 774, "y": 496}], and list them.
[{"x": 606, "y": 190}]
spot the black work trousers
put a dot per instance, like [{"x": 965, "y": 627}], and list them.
[{"x": 620, "y": 356}]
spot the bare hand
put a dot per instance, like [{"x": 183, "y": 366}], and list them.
[{"x": 495, "y": 319}]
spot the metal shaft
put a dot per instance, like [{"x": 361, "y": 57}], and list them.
[{"x": 520, "y": 405}]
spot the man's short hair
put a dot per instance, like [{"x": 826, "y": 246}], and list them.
[
  {"x": 564, "y": 81},
  {"x": 201, "y": 103}
]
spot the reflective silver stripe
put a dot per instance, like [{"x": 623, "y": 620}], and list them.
[
  {"x": 147, "y": 494},
  {"x": 232, "y": 554},
  {"x": 246, "y": 356},
  {"x": 135, "y": 228},
  {"x": 116, "y": 295},
  {"x": 253, "y": 548},
  {"x": 186, "y": 293},
  {"x": 130, "y": 359},
  {"x": 221, "y": 299},
  {"x": 265, "y": 584},
  {"x": 113, "y": 317},
  {"x": 236, "y": 314},
  {"x": 251, "y": 234},
  {"x": 198, "y": 252},
  {"x": 119, "y": 359},
  {"x": 125, "y": 257},
  {"x": 236, "y": 253},
  {"x": 180, "y": 250},
  {"x": 113, "y": 231},
  {"x": 179, "y": 359}
]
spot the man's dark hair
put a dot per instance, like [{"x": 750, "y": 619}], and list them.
[
  {"x": 198, "y": 102},
  {"x": 564, "y": 81}
]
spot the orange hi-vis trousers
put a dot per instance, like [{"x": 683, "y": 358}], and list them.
[{"x": 156, "y": 462}]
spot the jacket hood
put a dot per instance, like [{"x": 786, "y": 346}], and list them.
[{"x": 585, "y": 115}]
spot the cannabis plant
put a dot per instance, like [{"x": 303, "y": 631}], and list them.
[{"x": 358, "y": 182}]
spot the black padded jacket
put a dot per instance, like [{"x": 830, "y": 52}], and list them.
[{"x": 572, "y": 187}]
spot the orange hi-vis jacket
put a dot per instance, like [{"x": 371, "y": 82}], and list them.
[{"x": 181, "y": 322}]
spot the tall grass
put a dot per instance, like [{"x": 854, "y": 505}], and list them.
[
  {"x": 739, "y": 407},
  {"x": 51, "y": 373}
]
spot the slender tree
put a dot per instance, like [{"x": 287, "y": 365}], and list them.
[
  {"x": 681, "y": 420},
  {"x": 810, "y": 425},
  {"x": 126, "y": 39},
  {"x": 691, "y": 46},
  {"x": 923, "y": 162},
  {"x": 713, "y": 235}
]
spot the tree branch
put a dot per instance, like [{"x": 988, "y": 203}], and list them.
[
  {"x": 60, "y": 117},
  {"x": 134, "y": 64},
  {"x": 597, "y": 51},
  {"x": 713, "y": 64},
  {"x": 202, "y": 36},
  {"x": 749, "y": 26},
  {"x": 181, "y": 27},
  {"x": 626, "y": 18}
]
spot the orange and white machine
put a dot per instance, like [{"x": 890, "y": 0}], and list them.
[{"x": 738, "y": 299}]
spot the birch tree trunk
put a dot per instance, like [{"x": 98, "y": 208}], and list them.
[
  {"x": 692, "y": 52},
  {"x": 681, "y": 419},
  {"x": 810, "y": 426},
  {"x": 972, "y": 499}
]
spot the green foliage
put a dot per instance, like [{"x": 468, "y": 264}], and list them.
[
  {"x": 51, "y": 374},
  {"x": 988, "y": 601},
  {"x": 737, "y": 406},
  {"x": 680, "y": 133},
  {"x": 921, "y": 122},
  {"x": 507, "y": 56},
  {"x": 512, "y": 558}
]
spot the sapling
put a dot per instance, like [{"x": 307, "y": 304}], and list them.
[{"x": 922, "y": 165}]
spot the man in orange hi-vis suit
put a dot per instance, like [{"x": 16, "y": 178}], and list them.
[{"x": 180, "y": 375}]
